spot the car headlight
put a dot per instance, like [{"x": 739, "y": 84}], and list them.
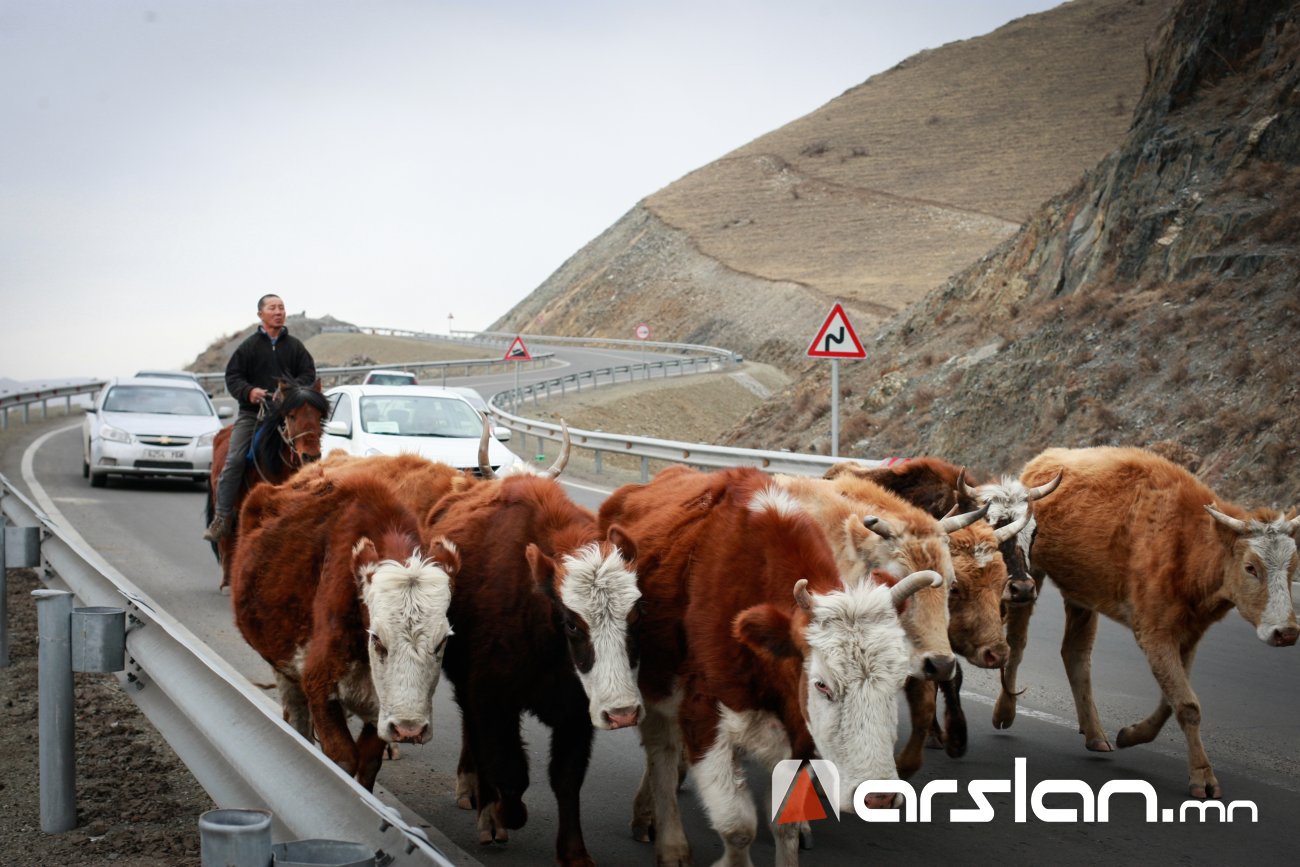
[
  {"x": 114, "y": 434},
  {"x": 206, "y": 439}
]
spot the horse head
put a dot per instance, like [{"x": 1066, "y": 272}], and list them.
[{"x": 296, "y": 413}]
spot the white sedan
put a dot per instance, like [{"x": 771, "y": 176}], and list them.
[
  {"x": 433, "y": 422},
  {"x": 149, "y": 426}
]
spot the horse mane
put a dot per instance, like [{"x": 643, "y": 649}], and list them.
[{"x": 266, "y": 439}]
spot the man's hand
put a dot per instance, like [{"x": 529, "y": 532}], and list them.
[{"x": 256, "y": 395}]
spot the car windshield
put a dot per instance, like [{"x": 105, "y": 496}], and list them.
[
  {"x": 156, "y": 399},
  {"x": 390, "y": 379},
  {"x": 419, "y": 416}
]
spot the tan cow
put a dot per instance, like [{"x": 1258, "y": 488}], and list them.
[{"x": 1141, "y": 540}]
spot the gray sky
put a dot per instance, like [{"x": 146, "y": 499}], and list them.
[{"x": 389, "y": 162}]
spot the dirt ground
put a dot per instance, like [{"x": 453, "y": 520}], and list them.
[{"x": 137, "y": 804}]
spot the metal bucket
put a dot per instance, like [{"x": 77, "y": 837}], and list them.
[{"x": 322, "y": 853}]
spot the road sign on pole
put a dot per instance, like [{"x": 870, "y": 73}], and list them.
[
  {"x": 643, "y": 332},
  {"x": 835, "y": 340},
  {"x": 517, "y": 351}
]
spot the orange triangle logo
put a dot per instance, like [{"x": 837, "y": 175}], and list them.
[{"x": 803, "y": 805}]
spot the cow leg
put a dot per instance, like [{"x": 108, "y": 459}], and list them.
[
  {"x": 466, "y": 775},
  {"x": 331, "y": 724},
  {"x": 1170, "y": 667},
  {"x": 921, "y": 703},
  {"x": 370, "y": 755},
  {"x": 570, "y": 755},
  {"x": 1017, "y": 621},
  {"x": 1146, "y": 731},
  {"x": 502, "y": 773},
  {"x": 656, "y": 813},
  {"x": 1076, "y": 653},
  {"x": 954, "y": 718},
  {"x": 294, "y": 702}
]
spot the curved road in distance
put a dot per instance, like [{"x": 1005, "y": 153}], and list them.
[{"x": 1250, "y": 697}]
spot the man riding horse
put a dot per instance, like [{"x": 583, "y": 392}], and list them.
[{"x": 268, "y": 357}]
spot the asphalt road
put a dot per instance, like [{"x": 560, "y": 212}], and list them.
[{"x": 1250, "y": 696}]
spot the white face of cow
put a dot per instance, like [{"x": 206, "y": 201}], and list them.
[
  {"x": 600, "y": 597},
  {"x": 1008, "y": 502},
  {"x": 407, "y": 603},
  {"x": 856, "y": 663},
  {"x": 1266, "y": 565}
]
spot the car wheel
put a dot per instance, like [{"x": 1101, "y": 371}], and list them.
[
  {"x": 98, "y": 480},
  {"x": 85, "y": 468}
]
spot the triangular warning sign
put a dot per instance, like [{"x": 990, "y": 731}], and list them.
[
  {"x": 836, "y": 339},
  {"x": 517, "y": 351},
  {"x": 802, "y": 805}
]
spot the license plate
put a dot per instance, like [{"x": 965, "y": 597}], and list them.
[{"x": 161, "y": 454}]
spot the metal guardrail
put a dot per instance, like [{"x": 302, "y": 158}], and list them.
[
  {"x": 216, "y": 382},
  {"x": 230, "y": 735},
  {"x": 42, "y": 395}
]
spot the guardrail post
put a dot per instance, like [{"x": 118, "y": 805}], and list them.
[
  {"x": 57, "y": 754},
  {"x": 4, "y": 600},
  {"x": 598, "y": 460},
  {"x": 645, "y": 469},
  {"x": 235, "y": 837}
]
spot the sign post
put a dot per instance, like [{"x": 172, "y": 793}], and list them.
[
  {"x": 835, "y": 340},
  {"x": 517, "y": 352},
  {"x": 643, "y": 333}
]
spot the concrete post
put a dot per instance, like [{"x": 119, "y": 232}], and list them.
[{"x": 56, "y": 727}]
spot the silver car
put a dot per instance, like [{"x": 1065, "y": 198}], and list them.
[{"x": 150, "y": 426}]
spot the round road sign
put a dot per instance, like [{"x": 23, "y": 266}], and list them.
[{"x": 643, "y": 332}]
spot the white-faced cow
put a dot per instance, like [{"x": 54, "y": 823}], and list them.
[
  {"x": 331, "y": 585},
  {"x": 752, "y": 644},
  {"x": 545, "y": 616},
  {"x": 1139, "y": 539}
]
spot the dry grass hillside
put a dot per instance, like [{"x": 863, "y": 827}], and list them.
[{"x": 874, "y": 199}]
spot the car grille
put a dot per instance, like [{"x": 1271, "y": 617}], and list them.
[
  {"x": 162, "y": 440},
  {"x": 477, "y": 473},
  {"x": 164, "y": 465}
]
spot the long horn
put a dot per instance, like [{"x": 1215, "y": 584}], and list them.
[
  {"x": 1046, "y": 488},
  {"x": 912, "y": 583},
  {"x": 1010, "y": 530},
  {"x": 484, "y": 468},
  {"x": 956, "y": 522},
  {"x": 879, "y": 526},
  {"x": 801, "y": 595},
  {"x": 965, "y": 488},
  {"x": 562, "y": 461},
  {"x": 1234, "y": 524}
]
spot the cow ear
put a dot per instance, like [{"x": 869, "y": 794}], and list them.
[
  {"x": 445, "y": 554},
  {"x": 364, "y": 555},
  {"x": 766, "y": 630},
  {"x": 621, "y": 540},
  {"x": 543, "y": 569}
]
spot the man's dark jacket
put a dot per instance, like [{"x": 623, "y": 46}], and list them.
[{"x": 258, "y": 363}]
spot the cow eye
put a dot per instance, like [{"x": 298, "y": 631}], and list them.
[
  {"x": 1251, "y": 570},
  {"x": 378, "y": 646},
  {"x": 955, "y": 588},
  {"x": 571, "y": 627},
  {"x": 824, "y": 690}
]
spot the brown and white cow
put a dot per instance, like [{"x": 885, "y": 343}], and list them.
[
  {"x": 752, "y": 644},
  {"x": 545, "y": 615},
  {"x": 1139, "y": 539},
  {"x": 331, "y": 585}
]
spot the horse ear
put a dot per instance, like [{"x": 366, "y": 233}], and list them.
[{"x": 316, "y": 385}]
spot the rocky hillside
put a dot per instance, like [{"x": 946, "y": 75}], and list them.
[
  {"x": 874, "y": 199},
  {"x": 1153, "y": 303},
  {"x": 214, "y": 358}
]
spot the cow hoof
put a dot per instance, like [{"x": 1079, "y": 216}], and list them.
[
  {"x": 465, "y": 802},
  {"x": 1209, "y": 790},
  {"x": 643, "y": 833},
  {"x": 392, "y": 752},
  {"x": 1130, "y": 736},
  {"x": 1004, "y": 713},
  {"x": 1099, "y": 745},
  {"x": 955, "y": 746}
]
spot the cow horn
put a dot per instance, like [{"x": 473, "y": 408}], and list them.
[
  {"x": 956, "y": 522},
  {"x": 1046, "y": 488},
  {"x": 879, "y": 526},
  {"x": 900, "y": 592},
  {"x": 965, "y": 488},
  {"x": 1235, "y": 524},
  {"x": 801, "y": 595},
  {"x": 1295, "y": 523},
  {"x": 562, "y": 461},
  {"x": 1010, "y": 530},
  {"x": 484, "y": 468}
]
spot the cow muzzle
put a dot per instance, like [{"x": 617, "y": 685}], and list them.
[
  {"x": 1283, "y": 636},
  {"x": 1020, "y": 592},
  {"x": 408, "y": 732},
  {"x": 622, "y": 717},
  {"x": 883, "y": 801},
  {"x": 939, "y": 666}
]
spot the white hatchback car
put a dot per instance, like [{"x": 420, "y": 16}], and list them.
[
  {"x": 433, "y": 422},
  {"x": 149, "y": 426}
]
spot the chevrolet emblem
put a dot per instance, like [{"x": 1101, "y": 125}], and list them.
[{"x": 165, "y": 440}]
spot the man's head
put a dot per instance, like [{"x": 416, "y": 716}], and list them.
[{"x": 270, "y": 309}]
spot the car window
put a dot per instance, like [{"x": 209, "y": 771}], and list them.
[
  {"x": 157, "y": 399},
  {"x": 342, "y": 410},
  {"x": 420, "y": 416},
  {"x": 390, "y": 379}
]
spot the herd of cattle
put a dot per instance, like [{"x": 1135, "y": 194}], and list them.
[{"x": 727, "y": 614}]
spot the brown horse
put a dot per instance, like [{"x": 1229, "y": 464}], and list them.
[{"x": 287, "y": 437}]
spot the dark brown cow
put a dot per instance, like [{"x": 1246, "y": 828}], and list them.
[
  {"x": 1139, "y": 539},
  {"x": 752, "y": 644},
  {"x": 545, "y": 613},
  {"x": 329, "y": 583}
]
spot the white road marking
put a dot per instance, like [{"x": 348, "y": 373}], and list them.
[{"x": 37, "y": 491}]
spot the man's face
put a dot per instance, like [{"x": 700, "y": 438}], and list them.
[{"x": 272, "y": 314}]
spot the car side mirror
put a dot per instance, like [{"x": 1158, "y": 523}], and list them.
[
  {"x": 225, "y": 411},
  {"x": 501, "y": 433},
  {"x": 338, "y": 429}
]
